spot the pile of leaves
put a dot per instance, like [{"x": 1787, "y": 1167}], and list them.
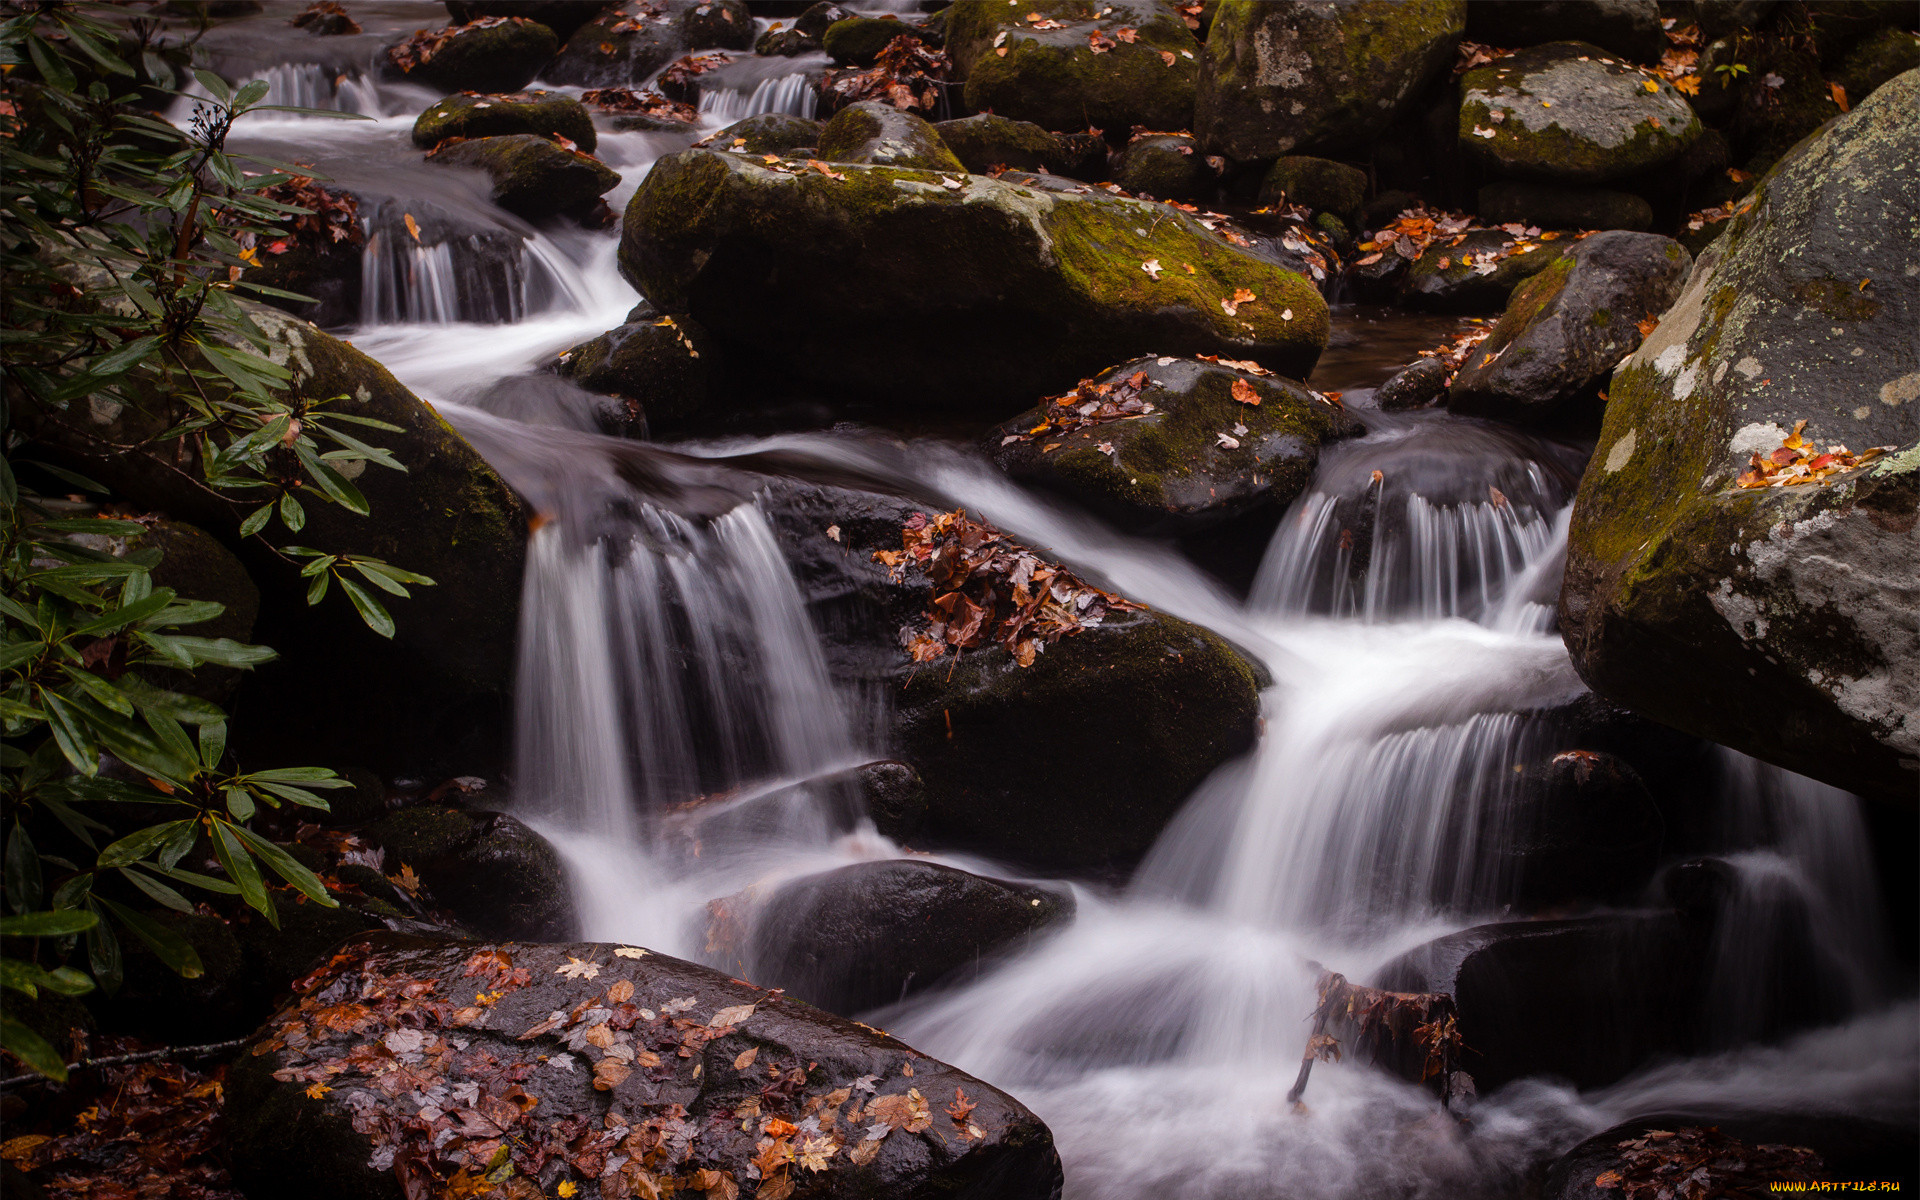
[
  {"x": 1798, "y": 462},
  {"x": 1469, "y": 55},
  {"x": 907, "y": 75},
  {"x": 1415, "y": 229},
  {"x": 987, "y": 588},
  {"x": 681, "y": 81},
  {"x": 646, "y": 103},
  {"x": 1722, "y": 212},
  {"x": 331, "y": 216},
  {"x": 1088, "y": 405},
  {"x": 326, "y": 18},
  {"x": 638, "y": 15},
  {"x": 1453, "y": 354},
  {"x": 1387, "y": 1027},
  {"x": 1694, "y": 1163},
  {"x": 1680, "y": 65},
  {"x": 148, "y": 1129},
  {"x": 425, "y": 43}
]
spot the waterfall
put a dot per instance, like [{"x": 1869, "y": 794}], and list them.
[{"x": 791, "y": 94}]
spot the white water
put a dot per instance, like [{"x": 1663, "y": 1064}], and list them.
[{"x": 1407, "y": 627}]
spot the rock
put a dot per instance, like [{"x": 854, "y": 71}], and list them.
[
  {"x": 1585, "y": 830},
  {"x": 1292, "y": 76},
  {"x": 872, "y": 934},
  {"x": 1413, "y": 387},
  {"x": 1376, "y": 282},
  {"x": 653, "y": 361},
  {"x": 500, "y": 878},
  {"x": 882, "y": 135},
  {"x": 771, "y": 133},
  {"x": 308, "y": 933},
  {"x": 1629, "y": 27},
  {"x": 532, "y": 176},
  {"x": 1849, "y": 1147},
  {"x": 1169, "y": 471},
  {"x": 717, "y": 25},
  {"x": 1718, "y": 18},
  {"x": 619, "y": 49},
  {"x": 1301, "y": 248},
  {"x": 366, "y": 800},
  {"x": 785, "y": 43},
  {"x": 1781, "y": 99},
  {"x": 1585, "y": 1000},
  {"x": 1459, "y": 286},
  {"x": 155, "y": 1002},
  {"x": 561, "y": 16},
  {"x": 1054, "y": 78},
  {"x": 1567, "y": 327},
  {"x": 858, "y": 41},
  {"x": 984, "y": 141},
  {"x": 313, "y": 265},
  {"x": 1163, "y": 167},
  {"x": 1677, "y": 768},
  {"x": 895, "y": 796},
  {"x": 489, "y": 58},
  {"x": 1781, "y": 615},
  {"x": 1319, "y": 183},
  {"x": 1548, "y": 207},
  {"x": 679, "y": 1110},
  {"x": 980, "y": 291},
  {"x": 1876, "y": 59},
  {"x": 1569, "y": 113},
  {"x": 535, "y": 112}
]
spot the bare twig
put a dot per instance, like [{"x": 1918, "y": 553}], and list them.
[{"x": 120, "y": 1060}]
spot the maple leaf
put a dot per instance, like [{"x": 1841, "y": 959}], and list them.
[
  {"x": 1244, "y": 393},
  {"x": 1099, "y": 42},
  {"x": 314, "y": 1092},
  {"x": 566, "y": 1189},
  {"x": 629, "y": 952},
  {"x": 814, "y": 1150},
  {"x": 573, "y": 968},
  {"x": 407, "y": 881},
  {"x": 961, "y": 1107},
  {"x": 1152, "y": 268}
]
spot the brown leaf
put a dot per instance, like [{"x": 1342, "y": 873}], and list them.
[
  {"x": 745, "y": 1058},
  {"x": 1244, "y": 393},
  {"x": 621, "y": 991}
]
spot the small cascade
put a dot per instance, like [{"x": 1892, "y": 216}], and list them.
[
  {"x": 792, "y": 94},
  {"x": 298, "y": 85}
]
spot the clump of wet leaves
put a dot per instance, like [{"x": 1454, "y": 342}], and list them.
[
  {"x": 906, "y": 75},
  {"x": 1386, "y": 1025},
  {"x": 1696, "y": 1163},
  {"x": 1410, "y": 234},
  {"x": 1088, "y": 405},
  {"x": 988, "y": 589},
  {"x": 332, "y": 217},
  {"x": 646, "y": 103},
  {"x": 1799, "y": 462},
  {"x": 1453, "y": 354},
  {"x": 419, "y": 49},
  {"x": 681, "y": 81},
  {"x": 140, "y": 1131}
]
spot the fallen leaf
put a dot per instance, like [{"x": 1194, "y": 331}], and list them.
[
  {"x": 1152, "y": 268},
  {"x": 1166, "y": 56},
  {"x": 1228, "y": 441},
  {"x": 826, "y": 170},
  {"x": 621, "y": 992},
  {"x": 413, "y": 226},
  {"x": 629, "y": 952},
  {"x": 1244, "y": 392},
  {"x": 573, "y": 968},
  {"x": 734, "y": 1015}
]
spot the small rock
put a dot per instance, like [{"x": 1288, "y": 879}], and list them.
[
  {"x": 1319, "y": 183},
  {"x": 532, "y": 176},
  {"x": 537, "y": 112},
  {"x": 1413, "y": 387},
  {"x": 870, "y": 132},
  {"x": 1163, "y": 166}
]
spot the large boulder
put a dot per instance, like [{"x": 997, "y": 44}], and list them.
[
  {"x": 1163, "y": 166},
  {"x": 1190, "y": 444},
  {"x": 491, "y": 54},
  {"x": 865, "y": 936},
  {"x": 770, "y": 133},
  {"x": 985, "y": 141},
  {"x": 1629, "y": 27},
  {"x": 616, "y": 49},
  {"x": 1477, "y": 273},
  {"x": 478, "y": 116},
  {"x": 1736, "y": 1149},
  {"x": 1567, "y": 112},
  {"x": 869, "y": 132},
  {"x": 534, "y": 176},
  {"x": 1306, "y": 77},
  {"x": 978, "y": 289},
  {"x": 1876, "y": 59},
  {"x": 603, "y": 1070},
  {"x": 717, "y": 25},
  {"x": 1780, "y": 616},
  {"x": 497, "y": 876},
  {"x": 561, "y": 16},
  {"x": 1584, "y": 829},
  {"x": 858, "y": 41},
  {"x": 1567, "y": 328},
  {"x": 197, "y": 566},
  {"x": 651, "y": 361},
  {"x": 1067, "y": 64}
]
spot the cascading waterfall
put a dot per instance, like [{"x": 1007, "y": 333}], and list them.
[{"x": 792, "y": 94}]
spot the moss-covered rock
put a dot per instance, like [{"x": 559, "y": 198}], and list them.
[
  {"x": 1629, "y": 27},
  {"x": 1293, "y": 76},
  {"x": 984, "y": 293},
  {"x": 1547, "y": 207},
  {"x": 561, "y": 16},
  {"x": 1448, "y": 278},
  {"x": 618, "y": 49},
  {"x": 717, "y": 25},
  {"x": 654, "y": 361},
  {"x": 1171, "y": 470},
  {"x": 477, "y": 116},
  {"x": 1567, "y": 328},
  {"x": 1567, "y": 112},
  {"x": 496, "y": 875},
  {"x": 1319, "y": 183},
  {"x": 534, "y": 176},
  {"x": 985, "y": 141},
  {"x": 770, "y": 133},
  {"x": 1774, "y": 620},
  {"x": 1875, "y": 59},
  {"x": 858, "y": 41},
  {"x": 489, "y": 58},
  {"x": 1163, "y": 166},
  {"x": 880, "y": 134},
  {"x": 1054, "y": 77}
]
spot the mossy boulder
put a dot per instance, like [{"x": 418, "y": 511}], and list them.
[
  {"x": 1054, "y": 77},
  {"x": 617, "y": 49},
  {"x": 983, "y": 292},
  {"x": 312, "y": 264},
  {"x": 1775, "y": 620},
  {"x": 496, "y": 875},
  {"x": 1171, "y": 470},
  {"x": 1414, "y": 386},
  {"x": 880, "y": 134},
  {"x": 478, "y": 116},
  {"x": 1628, "y": 27},
  {"x": 654, "y": 361},
  {"x": 984, "y": 141},
  {"x": 769, "y": 133},
  {"x": 1548, "y": 207},
  {"x": 1568, "y": 112},
  {"x": 561, "y": 16},
  {"x": 858, "y": 41},
  {"x": 1292, "y": 76},
  {"x": 489, "y": 58},
  {"x": 1447, "y": 278},
  {"x": 533, "y": 176},
  {"x": 717, "y": 25},
  {"x": 1319, "y": 183},
  {"x": 1567, "y": 328},
  {"x": 1875, "y": 59},
  {"x": 1163, "y": 166}
]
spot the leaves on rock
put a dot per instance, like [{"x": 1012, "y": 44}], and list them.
[
  {"x": 1798, "y": 462},
  {"x": 907, "y": 74},
  {"x": 1701, "y": 1163},
  {"x": 646, "y": 103},
  {"x": 420, "y": 48}
]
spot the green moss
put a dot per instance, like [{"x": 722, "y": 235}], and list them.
[
  {"x": 1837, "y": 298},
  {"x": 495, "y": 116},
  {"x": 1601, "y": 317},
  {"x": 1054, "y": 79},
  {"x": 859, "y": 40},
  {"x": 1623, "y": 512}
]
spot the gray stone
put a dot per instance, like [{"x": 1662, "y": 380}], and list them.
[
  {"x": 1548, "y": 207},
  {"x": 532, "y": 176},
  {"x": 1414, "y": 387},
  {"x": 1163, "y": 166},
  {"x": 880, "y": 134},
  {"x": 770, "y": 133}
]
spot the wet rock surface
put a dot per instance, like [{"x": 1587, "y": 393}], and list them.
[
  {"x": 984, "y": 141},
  {"x": 1755, "y": 1149},
  {"x": 489, "y": 55},
  {"x": 884, "y": 136},
  {"x": 770, "y": 133},
  {"x": 499, "y": 877},
  {"x": 1451, "y": 275},
  {"x": 653, "y": 361},
  {"x": 534, "y": 176},
  {"x": 1550, "y": 207},
  {"x": 1625, "y": 27},
  {"x": 481, "y": 116},
  {"x": 1163, "y": 166}
]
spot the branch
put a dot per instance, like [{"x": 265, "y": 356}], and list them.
[{"x": 120, "y": 1060}]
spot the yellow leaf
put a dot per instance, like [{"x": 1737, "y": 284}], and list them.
[
  {"x": 413, "y": 226},
  {"x": 566, "y": 1189}
]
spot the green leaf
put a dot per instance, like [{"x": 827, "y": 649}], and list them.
[
  {"x": 371, "y": 612},
  {"x": 78, "y": 824},
  {"x": 256, "y": 520},
  {"x": 120, "y": 618},
  {"x": 103, "y": 954},
  {"x": 223, "y": 652},
  {"x": 70, "y": 731},
  {"x": 124, "y": 358},
  {"x": 291, "y": 513},
  {"x": 213, "y": 744},
  {"x": 216, "y": 86},
  {"x": 103, "y": 526},
  {"x": 158, "y": 891},
  {"x": 249, "y": 95},
  {"x": 200, "y": 881},
  {"x": 175, "y": 951},
  {"x": 99, "y": 691},
  {"x": 299, "y": 796},
  {"x": 24, "y": 886},
  {"x": 31, "y": 1049},
  {"x": 319, "y": 777},
  {"x": 317, "y": 590},
  {"x": 288, "y": 868},
  {"x": 14, "y": 653},
  {"x": 239, "y": 866},
  {"x": 48, "y": 924},
  {"x": 47, "y": 61},
  {"x": 332, "y": 482},
  {"x": 240, "y": 804},
  {"x": 137, "y": 845}
]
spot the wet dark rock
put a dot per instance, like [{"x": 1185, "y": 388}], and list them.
[
  {"x": 984, "y": 141},
  {"x": 872, "y": 934},
  {"x": 315, "y": 265},
  {"x": 1052, "y": 78},
  {"x": 882, "y": 135},
  {"x": 1567, "y": 327},
  {"x": 497, "y": 116},
  {"x": 1548, "y": 207},
  {"x": 489, "y": 58},
  {"x": 1568, "y": 113},
  {"x": 1413, "y": 387},
  {"x": 1301, "y": 248},
  {"x": 561, "y": 16},
  {"x": 154, "y": 1002},
  {"x": 816, "y": 18},
  {"x": 1877, "y": 58},
  {"x": 845, "y": 283},
  {"x": 662, "y": 364},
  {"x": 771, "y": 133},
  {"x": 1163, "y": 166},
  {"x": 197, "y": 566},
  {"x": 1585, "y": 830},
  {"x": 785, "y": 43},
  {"x": 532, "y": 176},
  {"x": 1585, "y": 1000},
  {"x": 1850, "y": 1147},
  {"x": 1679, "y": 769},
  {"x": 1629, "y": 27},
  {"x": 1321, "y": 184},
  {"x": 1292, "y": 77},
  {"x": 1084, "y": 155},
  {"x": 274, "y": 1122},
  {"x": 1718, "y": 18},
  {"x": 366, "y": 800},
  {"x": 1170, "y": 471},
  {"x": 1700, "y": 888},
  {"x": 212, "y": 8},
  {"x": 717, "y": 25},
  {"x": 1460, "y": 286},
  {"x": 307, "y": 935},
  {"x": 1781, "y": 613},
  {"x": 1377, "y": 282},
  {"x": 858, "y": 41},
  {"x": 894, "y": 794},
  {"x": 598, "y": 55},
  {"x": 496, "y": 875}
]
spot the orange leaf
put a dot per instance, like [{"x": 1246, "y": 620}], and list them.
[{"x": 1244, "y": 393}]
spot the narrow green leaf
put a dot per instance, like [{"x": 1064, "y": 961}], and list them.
[
  {"x": 24, "y": 885},
  {"x": 291, "y": 513},
  {"x": 31, "y": 1049},
  {"x": 371, "y": 612},
  {"x": 137, "y": 845},
  {"x": 158, "y": 891},
  {"x": 240, "y": 804},
  {"x": 240, "y": 868},
  {"x": 288, "y": 867},
  {"x": 256, "y": 520},
  {"x": 48, "y": 924},
  {"x": 174, "y": 950},
  {"x": 213, "y": 744}
]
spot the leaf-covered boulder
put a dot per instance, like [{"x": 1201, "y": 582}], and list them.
[
  {"x": 561, "y": 16},
  {"x": 533, "y": 176},
  {"x": 491, "y": 54},
  {"x": 865, "y": 936},
  {"x": 1567, "y": 328},
  {"x": 1780, "y": 616},
  {"x": 1568, "y": 112},
  {"x": 653, "y": 361},
  {"x": 1078, "y": 64},
  {"x": 880, "y": 134},
  {"x": 770, "y": 133},
  {"x": 480, "y": 116},
  {"x": 1628, "y": 27},
  {"x": 616, "y": 49},
  {"x": 1735, "y": 1149},
  {"x": 1305, "y": 77},
  {"x": 409, "y": 1067},
  {"x": 717, "y": 25},
  {"x": 496, "y": 875},
  {"x": 1476, "y": 273},
  {"x": 858, "y": 41},
  {"x": 979, "y": 291},
  {"x": 1173, "y": 444},
  {"x": 1545, "y": 206}
]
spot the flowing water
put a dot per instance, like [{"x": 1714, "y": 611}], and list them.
[{"x": 678, "y": 727}]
